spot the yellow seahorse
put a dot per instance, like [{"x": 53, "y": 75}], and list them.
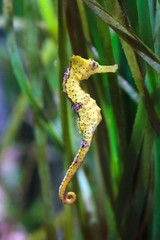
[{"x": 88, "y": 112}]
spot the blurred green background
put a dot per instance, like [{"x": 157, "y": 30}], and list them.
[{"x": 117, "y": 187}]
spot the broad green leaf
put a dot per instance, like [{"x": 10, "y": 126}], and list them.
[{"x": 145, "y": 29}]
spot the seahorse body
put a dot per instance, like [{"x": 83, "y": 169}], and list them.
[{"x": 89, "y": 114}]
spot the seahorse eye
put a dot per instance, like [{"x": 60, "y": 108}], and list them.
[{"x": 94, "y": 64}]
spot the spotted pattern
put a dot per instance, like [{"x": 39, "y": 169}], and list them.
[
  {"x": 84, "y": 144},
  {"x": 89, "y": 114}
]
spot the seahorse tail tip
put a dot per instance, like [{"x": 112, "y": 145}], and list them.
[{"x": 69, "y": 198}]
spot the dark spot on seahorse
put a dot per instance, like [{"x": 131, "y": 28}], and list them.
[
  {"x": 84, "y": 144},
  {"x": 76, "y": 106}
]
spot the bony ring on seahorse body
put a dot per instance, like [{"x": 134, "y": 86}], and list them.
[{"x": 88, "y": 112}]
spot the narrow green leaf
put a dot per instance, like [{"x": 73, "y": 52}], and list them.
[
  {"x": 24, "y": 83},
  {"x": 141, "y": 186},
  {"x": 18, "y": 69},
  {"x": 128, "y": 89},
  {"x": 134, "y": 64},
  {"x": 156, "y": 208},
  {"x": 144, "y": 23},
  {"x": 130, "y": 9},
  {"x": 132, "y": 159},
  {"x": 20, "y": 74},
  {"x": 63, "y": 64},
  {"x": 73, "y": 21},
  {"x": 125, "y": 34},
  {"x": 113, "y": 90},
  {"x": 47, "y": 11},
  {"x": 105, "y": 89},
  {"x": 44, "y": 175},
  {"x": 39, "y": 130},
  {"x": 86, "y": 195},
  {"x": 157, "y": 31},
  {"x": 15, "y": 121},
  {"x": 146, "y": 35}
]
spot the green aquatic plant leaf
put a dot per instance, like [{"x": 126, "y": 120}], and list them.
[{"x": 126, "y": 34}]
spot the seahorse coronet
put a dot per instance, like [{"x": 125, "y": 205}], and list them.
[{"x": 89, "y": 114}]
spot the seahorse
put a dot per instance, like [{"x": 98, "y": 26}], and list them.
[{"x": 89, "y": 114}]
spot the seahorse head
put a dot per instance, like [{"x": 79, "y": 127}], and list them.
[{"x": 84, "y": 68}]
